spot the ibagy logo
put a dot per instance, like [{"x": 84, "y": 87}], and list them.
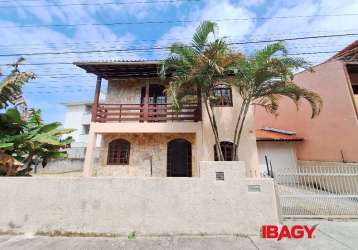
[{"x": 288, "y": 232}]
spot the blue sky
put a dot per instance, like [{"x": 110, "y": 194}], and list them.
[{"x": 245, "y": 20}]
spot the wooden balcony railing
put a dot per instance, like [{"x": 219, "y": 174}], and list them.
[{"x": 146, "y": 113}]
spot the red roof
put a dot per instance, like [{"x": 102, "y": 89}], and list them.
[
  {"x": 350, "y": 47},
  {"x": 266, "y": 135}
]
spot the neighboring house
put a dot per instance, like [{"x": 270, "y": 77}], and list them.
[
  {"x": 333, "y": 135},
  {"x": 78, "y": 117},
  {"x": 143, "y": 135},
  {"x": 277, "y": 150}
]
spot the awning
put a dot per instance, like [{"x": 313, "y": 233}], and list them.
[
  {"x": 271, "y": 134},
  {"x": 122, "y": 69}
]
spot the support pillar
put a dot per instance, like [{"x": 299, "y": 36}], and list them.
[
  {"x": 90, "y": 154},
  {"x": 199, "y": 150},
  {"x": 96, "y": 98},
  {"x": 146, "y": 102}
]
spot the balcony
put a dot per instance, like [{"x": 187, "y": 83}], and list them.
[{"x": 190, "y": 112}]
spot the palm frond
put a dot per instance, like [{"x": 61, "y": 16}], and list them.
[
  {"x": 295, "y": 93},
  {"x": 200, "y": 37},
  {"x": 263, "y": 55}
]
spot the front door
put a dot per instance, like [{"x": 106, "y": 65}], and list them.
[
  {"x": 157, "y": 102},
  {"x": 179, "y": 158}
]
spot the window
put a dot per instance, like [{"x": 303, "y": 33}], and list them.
[
  {"x": 355, "y": 89},
  {"x": 223, "y": 96},
  {"x": 88, "y": 109},
  {"x": 118, "y": 152},
  {"x": 227, "y": 148},
  {"x": 85, "y": 129}
]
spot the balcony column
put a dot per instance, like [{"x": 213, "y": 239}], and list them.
[
  {"x": 90, "y": 154},
  {"x": 96, "y": 98},
  {"x": 146, "y": 102}
]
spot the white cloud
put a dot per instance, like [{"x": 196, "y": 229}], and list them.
[
  {"x": 216, "y": 11},
  {"x": 317, "y": 25},
  {"x": 107, "y": 37},
  {"x": 249, "y": 3}
]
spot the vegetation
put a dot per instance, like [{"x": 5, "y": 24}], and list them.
[
  {"x": 24, "y": 138},
  {"x": 11, "y": 85},
  {"x": 261, "y": 79},
  {"x": 31, "y": 140},
  {"x": 198, "y": 67}
]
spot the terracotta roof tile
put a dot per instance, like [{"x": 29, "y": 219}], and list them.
[
  {"x": 350, "y": 47},
  {"x": 266, "y": 135}
]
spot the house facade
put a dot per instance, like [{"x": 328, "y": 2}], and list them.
[
  {"x": 78, "y": 117},
  {"x": 142, "y": 133},
  {"x": 333, "y": 135},
  {"x": 277, "y": 150}
]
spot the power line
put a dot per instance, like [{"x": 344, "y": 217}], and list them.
[
  {"x": 172, "y": 21},
  {"x": 94, "y": 4},
  {"x": 242, "y": 46},
  {"x": 141, "y": 74},
  {"x": 163, "y": 48},
  {"x": 109, "y": 45},
  {"x": 120, "y": 41}
]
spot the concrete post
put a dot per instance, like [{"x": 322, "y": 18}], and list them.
[
  {"x": 90, "y": 154},
  {"x": 199, "y": 147}
]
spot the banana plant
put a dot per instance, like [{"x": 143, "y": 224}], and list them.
[
  {"x": 11, "y": 85},
  {"x": 31, "y": 139}
]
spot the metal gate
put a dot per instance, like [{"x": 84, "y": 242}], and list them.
[{"x": 318, "y": 192}]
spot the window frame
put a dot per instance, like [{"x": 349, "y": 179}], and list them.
[
  {"x": 120, "y": 146},
  {"x": 85, "y": 129},
  {"x": 225, "y": 147},
  {"x": 225, "y": 100}
]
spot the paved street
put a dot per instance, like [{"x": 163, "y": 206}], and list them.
[{"x": 335, "y": 235}]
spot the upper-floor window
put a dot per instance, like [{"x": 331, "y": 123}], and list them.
[
  {"x": 227, "y": 148},
  {"x": 118, "y": 152},
  {"x": 355, "y": 89},
  {"x": 222, "y": 96},
  {"x": 88, "y": 109},
  {"x": 85, "y": 129}
]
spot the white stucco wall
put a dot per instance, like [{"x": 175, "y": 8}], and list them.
[
  {"x": 226, "y": 120},
  {"x": 147, "y": 206},
  {"x": 76, "y": 116},
  {"x": 281, "y": 154},
  {"x": 73, "y": 119}
]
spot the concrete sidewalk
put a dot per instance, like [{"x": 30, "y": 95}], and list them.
[{"x": 335, "y": 235}]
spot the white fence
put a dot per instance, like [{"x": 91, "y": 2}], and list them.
[
  {"x": 146, "y": 206},
  {"x": 318, "y": 191}
]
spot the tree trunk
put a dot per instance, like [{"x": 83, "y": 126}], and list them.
[
  {"x": 234, "y": 157},
  {"x": 242, "y": 123},
  {"x": 28, "y": 162},
  {"x": 214, "y": 129}
]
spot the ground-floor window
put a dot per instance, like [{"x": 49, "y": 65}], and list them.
[
  {"x": 118, "y": 152},
  {"x": 227, "y": 148}
]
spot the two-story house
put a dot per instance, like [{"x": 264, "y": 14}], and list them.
[
  {"x": 333, "y": 135},
  {"x": 143, "y": 135}
]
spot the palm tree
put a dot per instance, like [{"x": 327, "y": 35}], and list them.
[
  {"x": 264, "y": 77},
  {"x": 197, "y": 67}
]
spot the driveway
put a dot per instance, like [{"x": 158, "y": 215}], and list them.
[{"x": 337, "y": 235}]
